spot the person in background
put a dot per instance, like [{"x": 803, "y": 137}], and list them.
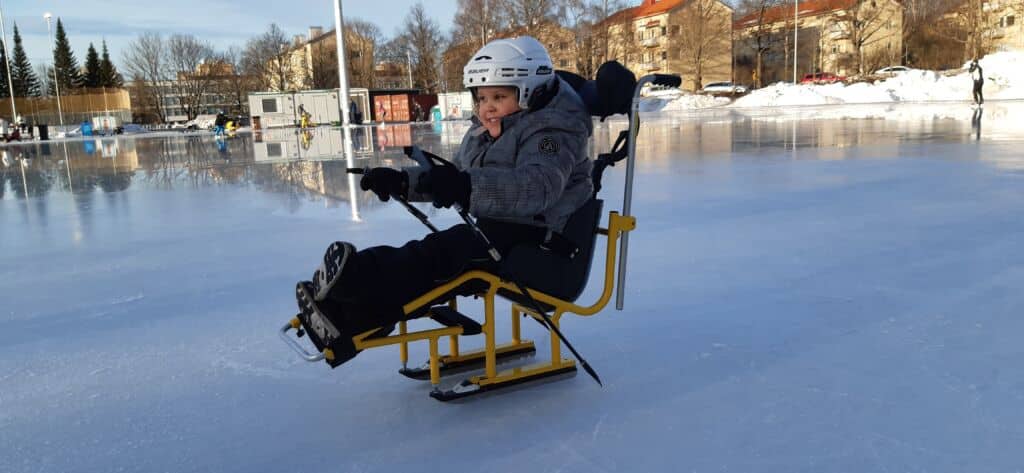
[
  {"x": 219, "y": 123},
  {"x": 979, "y": 81},
  {"x": 417, "y": 112},
  {"x": 353, "y": 113}
]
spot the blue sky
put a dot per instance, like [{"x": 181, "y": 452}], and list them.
[{"x": 222, "y": 22}]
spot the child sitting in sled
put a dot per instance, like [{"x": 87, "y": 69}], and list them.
[{"x": 522, "y": 169}]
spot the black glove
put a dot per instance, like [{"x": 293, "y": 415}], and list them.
[
  {"x": 447, "y": 185},
  {"x": 386, "y": 183}
]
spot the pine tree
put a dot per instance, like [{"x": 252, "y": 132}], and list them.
[
  {"x": 68, "y": 75},
  {"x": 109, "y": 77},
  {"x": 25, "y": 82},
  {"x": 92, "y": 68},
  {"x": 5, "y": 91}
]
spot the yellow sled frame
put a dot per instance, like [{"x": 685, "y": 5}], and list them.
[{"x": 491, "y": 378}]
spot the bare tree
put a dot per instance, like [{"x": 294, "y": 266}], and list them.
[
  {"x": 575, "y": 15},
  {"x": 423, "y": 39},
  {"x": 861, "y": 24},
  {"x": 45, "y": 75},
  {"x": 237, "y": 85},
  {"x": 758, "y": 33},
  {"x": 599, "y": 12},
  {"x": 528, "y": 15},
  {"x": 974, "y": 24},
  {"x": 924, "y": 44},
  {"x": 705, "y": 37},
  {"x": 193, "y": 63},
  {"x": 478, "y": 21},
  {"x": 361, "y": 51},
  {"x": 268, "y": 58},
  {"x": 144, "y": 62}
]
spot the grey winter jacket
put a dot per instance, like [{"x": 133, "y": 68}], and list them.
[{"x": 537, "y": 172}]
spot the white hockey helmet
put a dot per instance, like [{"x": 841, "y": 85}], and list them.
[{"x": 520, "y": 62}]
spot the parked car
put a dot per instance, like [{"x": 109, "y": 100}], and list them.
[
  {"x": 715, "y": 88},
  {"x": 821, "y": 78},
  {"x": 892, "y": 70}
]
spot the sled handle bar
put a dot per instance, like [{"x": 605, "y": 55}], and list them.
[{"x": 295, "y": 345}]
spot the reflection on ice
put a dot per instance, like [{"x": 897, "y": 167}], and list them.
[{"x": 314, "y": 161}]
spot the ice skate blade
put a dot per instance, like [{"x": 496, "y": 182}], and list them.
[
  {"x": 465, "y": 390},
  {"x": 477, "y": 362}
]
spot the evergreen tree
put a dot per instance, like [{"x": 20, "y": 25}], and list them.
[
  {"x": 92, "y": 68},
  {"x": 68, "y": 75},
  {"x": 26, "y": 84},
  {"x": 109, "y": 77},
  {"x": 5, "y": 91}
]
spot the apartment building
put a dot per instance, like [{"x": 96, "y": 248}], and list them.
[{"x": 845, "y": 37}]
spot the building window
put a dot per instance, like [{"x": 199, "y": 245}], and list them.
[
  {"x": 269, "y": 105},
  {"x": 563, "y": 45},
  {"x": 563, "y": 63},
  {"x": 1008, "y": 21},
  {"x": 675, "y": 30},
  {"x": 663, "y": 29},
  {"x": 274, "y": 150},
  {"x": 664, "y": 55}
]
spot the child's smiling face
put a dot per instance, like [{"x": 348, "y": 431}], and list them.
[{"x": 493, "y": 103}]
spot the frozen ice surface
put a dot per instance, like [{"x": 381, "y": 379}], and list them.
[{"x": 833, "y": 289}]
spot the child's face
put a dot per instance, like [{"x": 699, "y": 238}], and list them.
[{"x": 493, "y": 103}]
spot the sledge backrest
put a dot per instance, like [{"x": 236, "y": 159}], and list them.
[
  {"x": 556, "y": 275},
  {"x": 610, "y": 93}
]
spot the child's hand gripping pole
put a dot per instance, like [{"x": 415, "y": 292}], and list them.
[
  {"x": 428, "y": 160},
  {"x": 405, "y": 203}
]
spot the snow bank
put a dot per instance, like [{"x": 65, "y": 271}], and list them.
[
  {"x": 1004, "y": 80},
  {"x": 672, "y": 100}
]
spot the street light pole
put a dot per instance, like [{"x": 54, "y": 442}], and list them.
[
  {"x": 56, "y": 84},
  {"x": 7, "y": 59},
  {"x": 408, "y": 59},
  {"x": 339, "y": 36},
  {"x": 796, "y": 30}
]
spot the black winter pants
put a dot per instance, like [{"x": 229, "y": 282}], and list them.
[
  {"x": 978, "y": 97},
  {"x": 376, "y": 282}
]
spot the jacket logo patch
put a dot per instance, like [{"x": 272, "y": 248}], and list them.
[{"x": 548, "y": 146}]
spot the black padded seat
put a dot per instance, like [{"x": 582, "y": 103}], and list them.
[{"x": 553, "y": 274}]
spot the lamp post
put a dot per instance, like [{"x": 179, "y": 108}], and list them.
[
  {"x": 796, "y": 29},
  {"x": 56, "y": 84},
  {"x": 7, "y": 59},
  {"x": 408, "y": 61},
  {"x": 339, "y": 37}
]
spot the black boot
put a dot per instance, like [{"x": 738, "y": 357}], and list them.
[
  {"x": 327, "y": 275},
  {"x": 324, "y": 332}
]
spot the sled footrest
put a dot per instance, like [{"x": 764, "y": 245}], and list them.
[{"x": 452, "y": 318}]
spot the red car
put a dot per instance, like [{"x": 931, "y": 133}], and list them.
[{"x": 821, "y": 78}]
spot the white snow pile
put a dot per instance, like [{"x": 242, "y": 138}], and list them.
[
  {"x": 671, "y": 100},
  {"x": 1004, "y": 80}
]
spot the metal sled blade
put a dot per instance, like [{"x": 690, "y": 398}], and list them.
[{"x": 469, "y": 388}]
